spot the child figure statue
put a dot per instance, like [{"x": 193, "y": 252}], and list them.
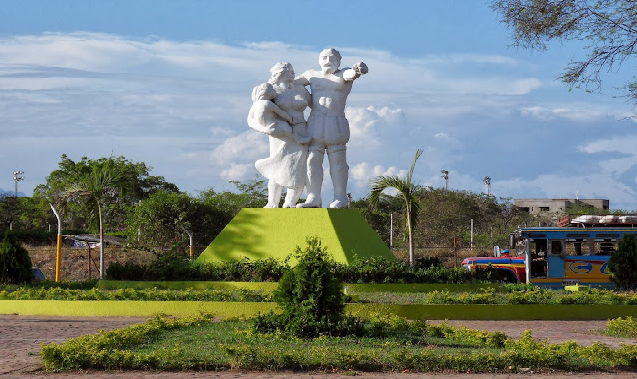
[
  {"x": 271, "y": 119},
  {"x": 285, "y": 167}
]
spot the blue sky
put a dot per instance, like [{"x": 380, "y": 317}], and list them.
[{"x": 169, "y": 82}]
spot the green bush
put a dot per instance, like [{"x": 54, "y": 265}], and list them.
[
  {"x": 622, "y": 327},
  {"x": 118, "y": 271},
  {"x": 623, "y": 263},
  {"x": 166, "y": 267},
  {"x": 173, "y": 266},
  {"x": 15, "y": 263},
  {"x": 311, "y": 297}
]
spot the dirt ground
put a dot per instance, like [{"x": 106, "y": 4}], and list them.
[
  {"x": 21, "y": 336},
  {"x": 82, "y": 263}
]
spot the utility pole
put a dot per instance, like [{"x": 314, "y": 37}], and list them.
[
  {"x": 445, "y": 176},
  {"x": 487, "y": 182},
  {"x": 15, "y": 205},
  {"x": 17, "y": 179}
]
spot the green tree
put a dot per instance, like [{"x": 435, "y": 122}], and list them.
[
  {"x": 35, "y": 214},
  {"x": 310, "y": 295},
  {"x": 8, "y": 209},
  {"x": 380, "y": 217},
  {"x": 252, "y": 194},
  {"x": 15, "y": 263},
  {"x": 447, "y": 215},
  {"x": 136, "y": 182},
  {"x": 622, "y": 263},
  {"x": 102, "y": 183},
  {"x": 608, "y": 27},
  {"x": 156, "y": 220},
  {"x": 407, "y": 191}
]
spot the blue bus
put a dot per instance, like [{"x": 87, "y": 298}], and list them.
[{"x": 555, "y": 257}]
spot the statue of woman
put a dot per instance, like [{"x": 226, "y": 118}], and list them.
[{"x": 286, "y": 166}]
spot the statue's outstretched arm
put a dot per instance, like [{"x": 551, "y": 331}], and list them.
[{"x": 356, "y": 71}]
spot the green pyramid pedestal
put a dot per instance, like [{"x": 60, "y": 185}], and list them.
[{"x": 259, "y": 233}]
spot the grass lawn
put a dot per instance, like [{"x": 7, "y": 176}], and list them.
[
  {"x": 231, "y": 344},
  {"x": 203, "y": 344}
]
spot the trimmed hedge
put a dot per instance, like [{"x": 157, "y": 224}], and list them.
[
  {"x": 172, "y": 266},
  {"x": 270, "y": 286}
]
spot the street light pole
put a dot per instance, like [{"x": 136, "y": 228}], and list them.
[
  {"x": 17, "y": 179},
  {"x": 445, "y": 176},
  {"x": 190, "y": 237},
  {"x": 58, "y": 254},
  {"x": 487, "y": 182}
]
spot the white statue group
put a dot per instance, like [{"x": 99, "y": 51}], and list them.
[{"x": 297, "y": 146}]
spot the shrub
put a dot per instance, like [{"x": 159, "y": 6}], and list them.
[
  {"x": 15, "y": 263},
  {"x": 118, "y": 271},
  {"x": 623, "y": 263},
  {"x": 622, "y": 327},
  {"x": 172, "y": 266},
  {"x": 311, "y": 297},
  {"x": 426, "y": 262}
]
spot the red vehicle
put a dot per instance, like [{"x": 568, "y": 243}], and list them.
[{"x": 510, "y": 269}]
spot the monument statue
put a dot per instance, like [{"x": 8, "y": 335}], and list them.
[
  {"x": 327, "y": 126},
  {"x": 277, "y": 111}
]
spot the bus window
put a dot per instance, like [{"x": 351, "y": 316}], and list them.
[
  {"x": 606, "y": 248},
  {"x": 556, "y": 248},
  {"x": 573, "y": 248},
  {"x": 540, "y": 248}
]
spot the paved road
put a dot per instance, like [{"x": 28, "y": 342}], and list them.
[{"x": 20, "y": 338}]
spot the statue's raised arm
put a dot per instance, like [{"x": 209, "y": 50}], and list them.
[{"x": 356, "y": 71}]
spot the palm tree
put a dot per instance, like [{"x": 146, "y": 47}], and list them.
[
  {"x": 104, "y": 181},
  {"x": 407, "y": 190}
]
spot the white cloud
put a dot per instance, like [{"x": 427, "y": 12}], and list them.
[
  {"x": 573, "y": 114},
  {"x": 181, "y": 107},
  {"x": 444, "y": 138},
  {"x": 249, "y": 145},
  {"x": 363, "y": 172},
  {"x": 236, "y": 172},
  {"x": 622, "y": 149},
  {"x": 623, "y": 144}
]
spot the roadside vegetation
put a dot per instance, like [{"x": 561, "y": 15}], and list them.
[
  {"x": 392, "y": 344},
  {"x": 507, "y": 294},
  {"x": 621, "y": 327},
  {"x": 362, "y": 270},
  {"x": 15, "y": 263}
]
